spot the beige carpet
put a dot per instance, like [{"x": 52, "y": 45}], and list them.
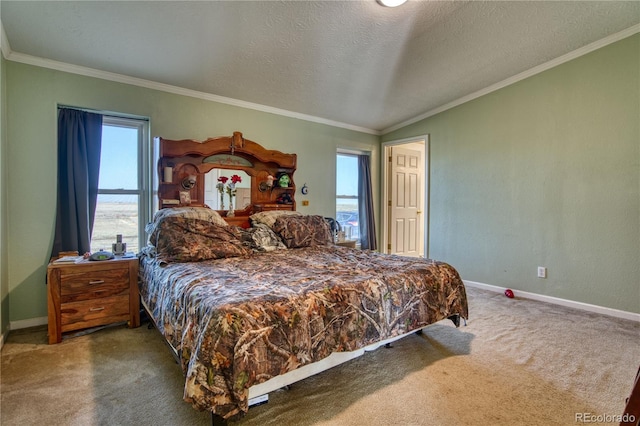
[{"x": 517, "y": 362}]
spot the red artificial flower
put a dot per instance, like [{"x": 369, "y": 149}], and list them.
[
  {"x": 236, "y": 179},
  {"x": 223, "y": 179}
]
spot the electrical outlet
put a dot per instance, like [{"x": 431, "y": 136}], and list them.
[{"x": 542, "y": 272}]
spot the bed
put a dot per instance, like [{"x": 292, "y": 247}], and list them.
[{"x": 253, "y": 304}]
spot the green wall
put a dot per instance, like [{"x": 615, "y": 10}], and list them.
[
  {"x": 545, "y": 172},
  {"x": 33, "y": 94},
  {"x": 4, "y": 277}
]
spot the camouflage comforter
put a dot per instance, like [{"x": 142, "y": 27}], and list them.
[{"x": 239, "y": 321}]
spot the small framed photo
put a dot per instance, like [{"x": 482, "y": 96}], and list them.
[{"x": 185, "y": 197}]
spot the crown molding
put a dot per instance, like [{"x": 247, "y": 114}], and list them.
[
  {"x": 121, "y": 78},
  {"x": 4, "y": 42},
  {"x": 523, "y": 75}
]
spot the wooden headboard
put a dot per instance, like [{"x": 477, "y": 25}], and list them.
[{"x": 180, "y": 159}]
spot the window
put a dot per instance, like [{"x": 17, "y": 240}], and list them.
[
  {"x": 124, "y": 201},
  {"x": 347, "y": 194}
]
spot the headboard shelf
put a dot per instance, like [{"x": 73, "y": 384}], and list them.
[
  {"x": 187, "y": 158},
  {"x": 233, "y": 145}
]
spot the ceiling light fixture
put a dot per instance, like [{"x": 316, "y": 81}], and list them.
[{"x": 391, "y": 3}]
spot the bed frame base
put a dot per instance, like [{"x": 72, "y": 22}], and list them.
[
  {"x": 217, "y": 420},
  {"x": 263, "y": 398},
  {"x": 259, "y": 400},
  {"x": 456, "y": 320}
]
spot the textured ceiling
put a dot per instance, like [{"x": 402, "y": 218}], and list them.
[{"x": 352, "y": 62}]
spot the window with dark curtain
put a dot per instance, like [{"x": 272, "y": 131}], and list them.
[
  {"x": 79, "y": 146},
  {"x": 365, "y": 205}
]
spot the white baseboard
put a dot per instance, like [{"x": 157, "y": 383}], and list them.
[
  {"x": 17, "y": 325},
  {"x": 557, "y": 301},
  {"x": 31, "y": 322},
  {"x": 3, "y": 337}
]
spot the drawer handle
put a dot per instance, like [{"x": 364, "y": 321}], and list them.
[
  {"x": 96, "y": 309},
  {"x": 96, "y": 282}
]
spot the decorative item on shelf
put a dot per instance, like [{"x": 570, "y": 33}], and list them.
[
  {"x": 188, "y": 182},
  {"x": 283, "y": 180},
  {"x": 267, "y": 184},
  {"x": 220, "y": 185},
  {"x": 284, "y": 198},
  {"x": 304, "y": 189},
  {"x": 231, "y": 190},
  {"x": 119, "y": 248},
  {"x": 168, "y": 174}
]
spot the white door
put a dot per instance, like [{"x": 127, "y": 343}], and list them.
[{"x": 406, "y": 202}]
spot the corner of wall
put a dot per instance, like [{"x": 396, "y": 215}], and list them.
[{"x": 4, "y": 276}]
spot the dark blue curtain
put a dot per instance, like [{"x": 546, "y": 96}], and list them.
[
  {"x": 79, "y": 144},
  {"x": 365, "y": 205}
]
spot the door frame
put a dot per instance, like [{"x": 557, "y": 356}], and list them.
[{"x": 386, "y": 196}]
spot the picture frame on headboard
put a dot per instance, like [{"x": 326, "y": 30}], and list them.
[{"x": 185, "y": 198}]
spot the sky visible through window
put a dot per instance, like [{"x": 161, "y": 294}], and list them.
[
  {"x": 347, "y": 185},
  {"x": 347, "y": 175},
  {"x": 117, "y": 213},
  {"x": 119, "y": 158}
]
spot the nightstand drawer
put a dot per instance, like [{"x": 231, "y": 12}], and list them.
[
  {"x": 89, "y": 310},
  {"x": 75, "y": 281},
  {"x": 97, "y": 292}
]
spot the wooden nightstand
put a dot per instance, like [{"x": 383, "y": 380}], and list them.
[{"x": 91, "y": 293}]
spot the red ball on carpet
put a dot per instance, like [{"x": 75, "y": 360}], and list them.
[{"x": 509, "y": 293}]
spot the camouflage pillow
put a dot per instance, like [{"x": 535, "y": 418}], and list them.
[
  {"x": 262, "y": 238},
  {"x": 269, "y": 217},
  {"x": 303, "y": 231},
  {"x": 201, "y": 213},
  {"x": 181, "y": 239}
]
